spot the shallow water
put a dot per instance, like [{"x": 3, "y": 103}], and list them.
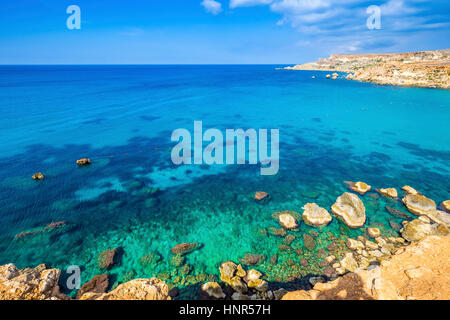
[{"x": 134, "y": 198}]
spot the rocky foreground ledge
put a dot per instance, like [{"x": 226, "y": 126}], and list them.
[
  {"x": 419, "y": 271},
  {"x": 429, "y": 69}
]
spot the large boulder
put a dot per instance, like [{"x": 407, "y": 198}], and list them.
[
  {"x": 410, "y": 190},
  {"x": 440, "y": 217},
  {"x": 138, "y": 289},
  {"x": 98, "y": 284},
  {"x": 185, "y": 248},
  {"x": 350, "y": 209},
  {"x": 388, "y": 192},
  {"x": 314, "y": 215},
  {"x": 349, "y": 263},
  {"x": 417, "y": 230},
  {"x": 211, "y": 290},
  {"x": 40, "y": 283},
  {"x": 446, "y": 205},
  {"x": 418, "y": 204},
  {"x": 107, "y": 259},
  {"x": 360, "y": 187},
  {"x": 420, "y": 272},
  {"x": 287, "y": 221}
]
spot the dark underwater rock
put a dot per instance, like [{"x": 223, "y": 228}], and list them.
[
  {"x": 397, "y": 213},
  {"x": 98, "y": 284},
  {"x": 184, "y": 248},
  {"x": 251, "y": 259},
  {"x": 308, "y": 242},
  {"x": 106, "y": 259}
]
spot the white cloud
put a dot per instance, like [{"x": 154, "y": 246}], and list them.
[
  {"x": 248, "y": 3},
  {"x": 212, "y": 6},
  {"x": 341, "y": 24}
]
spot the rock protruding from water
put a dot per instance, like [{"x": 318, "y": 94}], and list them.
[
  {"x": 211, "y": 291},
  {"x": 315, "y": 216},
  {"x": 287, "y": 221},
  {"x": 360, "y": 187},
  {"x": 418, "y": 204},
  {"x": 388, "y": 192},
  {"x": 40, "y": 283},
  {"x": 138, "y": 289},
  {"x": 410, "y": 190},
  {"x": 421, "y": 272},
  {"x": 446, "y": 205},
  {"x": 373, "y": 232},
  {"x": 422, "y": 227},
  {"x": 350, "y": 209},
  {"x": 38, "y": 176},
  {"x": 246, "y": 284},
  {"x": 260, "y": 195},
  {"x": 84, "y": 162}
]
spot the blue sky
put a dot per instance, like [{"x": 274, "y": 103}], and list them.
[{"x": 214, "y": 31}]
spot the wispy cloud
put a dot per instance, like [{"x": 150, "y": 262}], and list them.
[
  {"x": 248, "y": 3},
  {"x": 343, "y": 22},
  {"x": 212, "y": 6}
]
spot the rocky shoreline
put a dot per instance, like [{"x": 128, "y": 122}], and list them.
[
  {"x": 372, "y": 266},
  {"x": 428, "y": 69}
]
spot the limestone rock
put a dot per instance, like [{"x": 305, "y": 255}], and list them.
[
  {"x": 418, "y": 204},
  {"x": 239, "y": 297},
  {"x": 84, "y": 162},
  {"x": 373, "y": 232},
  {"x": 252, "y": 275},
  {"x": 238, "y": 285},
  {"x": 349, "y": 263},
  {"x": 410, "y": 190},
  {"x": 259, "y": 195},
  {"x": 353, "y": 244},
  {"x": 38, "y": 176},
  {"x": 227, "y": 270},
  {"x": 350, "y": 209},
  {"x": 98, "y": 284},
  {"x": 314, "y": 280},
  {"x": 360, "y": 187},
  {"x": 211, "y": 290},
  {"x": 287, "y": 221},
  {"x": 439, "y": 217},
  {"x": 313, "y": 215},
  {"x": 388, "y": 192},
  {"x": 421, "y": 271},
  {"x": 417, "y": 230},
  {"x": 138, "y": 289},
  {"x": 446, "y": 205},
  {"x": 39, "y": 283}
]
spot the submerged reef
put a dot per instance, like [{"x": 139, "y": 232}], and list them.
[{"x": 324, "y": 265}]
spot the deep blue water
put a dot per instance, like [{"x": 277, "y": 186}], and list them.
[{"x": 133, "y": 197}]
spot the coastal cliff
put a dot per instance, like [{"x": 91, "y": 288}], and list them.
[
  {"x": 419, "y": 272},
  {"x": 430, "y": 69}
]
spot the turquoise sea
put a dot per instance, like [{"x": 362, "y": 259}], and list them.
[{"x": 132, "y": 197}]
